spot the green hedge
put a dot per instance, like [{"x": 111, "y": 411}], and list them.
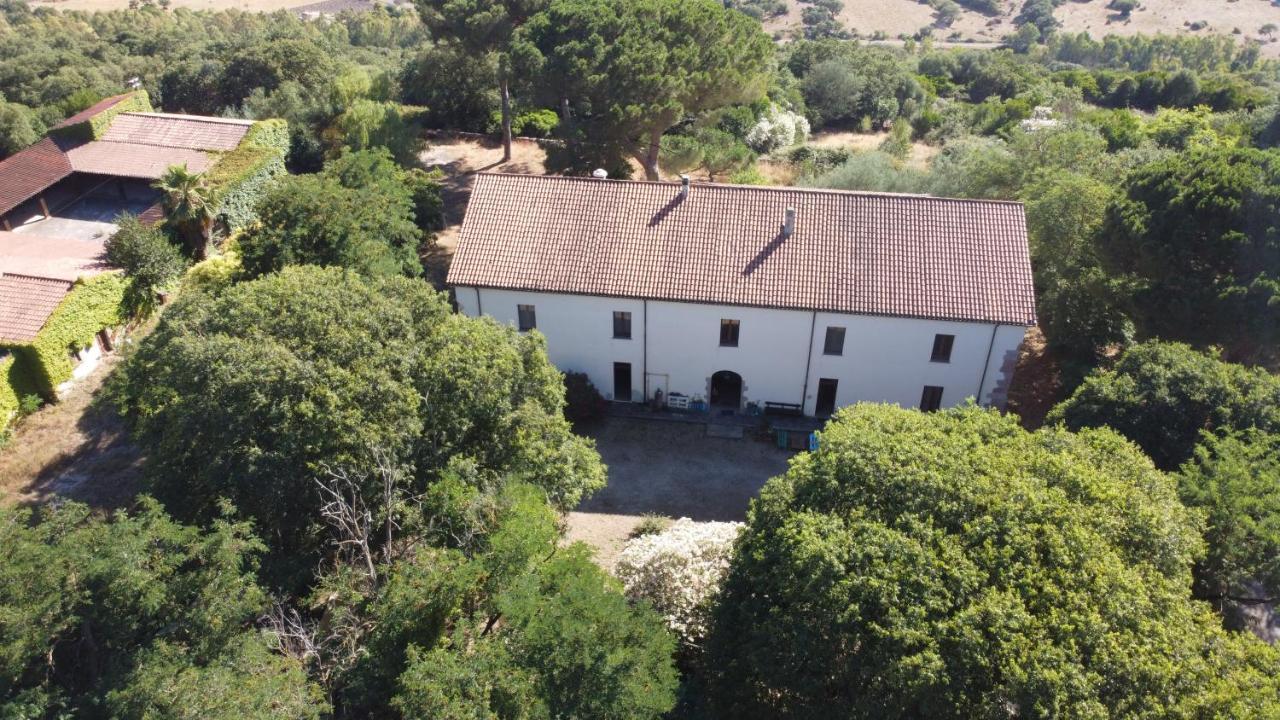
[
  {"x": 92, "y": 305},
  {"x": 239, "y": 178},
  {"x": 94, "y": 127},
  {"x": 8, "y": 392}
]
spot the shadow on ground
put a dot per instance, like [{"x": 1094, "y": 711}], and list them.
[
  {"x": 77, "y": 449},
  {"x": 674, "y": 469}
]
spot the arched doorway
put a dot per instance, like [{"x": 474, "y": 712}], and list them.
[{"x": 726, "y": 389}]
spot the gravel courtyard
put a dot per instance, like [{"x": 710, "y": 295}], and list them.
[{"x": 670, "y": 469}]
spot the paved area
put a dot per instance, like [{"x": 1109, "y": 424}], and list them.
[{"x": 672, "y": 469}]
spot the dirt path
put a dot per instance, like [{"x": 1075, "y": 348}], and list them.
[{"x": 77, "y": 448}]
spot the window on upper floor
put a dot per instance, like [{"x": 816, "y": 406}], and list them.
[
  {"x": 621, "y": 325},
  {"x": 834, "y": 344},
  {"x": 942, "y": 348},
  {"x": 931, "y": 399},
  {"x": 728, "y": 333},
  {"x": 528, "y": 318}
]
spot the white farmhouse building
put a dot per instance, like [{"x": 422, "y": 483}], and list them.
[{"x": 735, "y": 294}]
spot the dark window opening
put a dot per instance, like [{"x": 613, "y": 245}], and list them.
[
  {"x": 826, "y": 397},
  {"x": 622, "y": 382},
  {"x": 834, "y": 344},
  {"x": 622, "y": 325},
  {"x": 942, "y": 348},
  {"x": 729, "y": 333},
  {"x": 931, "y": 400},
  {"x": 528, "y": 319}
]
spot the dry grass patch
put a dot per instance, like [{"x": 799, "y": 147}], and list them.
[{"x": 77, "y": 448}]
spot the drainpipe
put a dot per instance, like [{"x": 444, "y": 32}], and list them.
[
  {"x": 479, "y": 307},
  {"x": 808, "y": 361},
  {"x": 991, "y": 345},
  {"x": 644, "y": 350}
]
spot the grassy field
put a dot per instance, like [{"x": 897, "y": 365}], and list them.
[
  {"x": 263, "y": 5},
  {"x": 896, "y": 17}
]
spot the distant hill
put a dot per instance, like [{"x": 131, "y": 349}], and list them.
[{"x": 899, "y": 17}]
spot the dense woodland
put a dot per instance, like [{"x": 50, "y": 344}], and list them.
[{"x": 354, "y": 496}]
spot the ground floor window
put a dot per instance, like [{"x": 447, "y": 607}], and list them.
[
  {"x": 528, "y": 318},
  {"x": 931, "y": 400}
]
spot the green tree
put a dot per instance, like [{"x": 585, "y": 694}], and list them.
[
  {"x": 1235, "y": 480},
  {"x": 148, "y": 258},
  {"x": 189, "y": 207},
  {"x": 713, "y": 151},
  {"x": 481, "y": 28},
  {"x": 91, "y": 605},
  {"x": 357, "y": 214},
  {"x": 19, "y": 128},
  {"x": 1079, "y": 308},
  {"x": 1163, "y": 395},
  {"x": 252, "y": 394},
  {"x": 247, "y": 681},
  {"x": 367, "y": 124},
  {"x": 570, "y": 646},
  {"x": 632, "y": 69},
  {"x": 953, "y": 565},
  {"x": 1195, "y": 235}
]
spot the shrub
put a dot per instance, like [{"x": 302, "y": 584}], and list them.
[
  {"x": 149, "y": 260},
  {"x": 29, "y": 404},
  {"x": 777, "y": 128},
  {"x": 583, "y": 402},
  {"x": 650, "y": 524},
  {"x": 678, "y": 570}
]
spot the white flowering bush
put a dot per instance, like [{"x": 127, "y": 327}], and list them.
[
  {"x": 679, "y": 571},
  {"x": 777, "y": 128}
]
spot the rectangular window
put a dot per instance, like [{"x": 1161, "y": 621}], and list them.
[
  {"x": 728, "y": 333},
  {"x": 834, "y": 344},
  {"x": 528, "y": 319},
  {"x": 942, "y": 348},
  {"x": 621, "y": 325},
  {"x": 931, "y": 400}
]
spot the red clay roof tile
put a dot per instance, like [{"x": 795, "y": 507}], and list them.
[
  {"x": 94, "y": 109},
  {"x": 26, "y": 304},
  {"x": 861, "y": 253},
  {"x": 147, "y": 162},
  {"x": 28, "y": 172},
  {"x": 177, "y": 131}
]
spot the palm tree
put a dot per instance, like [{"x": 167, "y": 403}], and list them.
[{"x": 188, "y": 205}]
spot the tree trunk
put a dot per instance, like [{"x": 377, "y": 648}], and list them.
[
  {"x": 648, "y": 156},
  {"x": 504, "y": 88}
]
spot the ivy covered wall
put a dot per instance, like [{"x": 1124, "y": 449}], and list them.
[
  {"x": 94, "y": 127},
  {"x": 45, "y": 362},
  {"x": 240, "y": 177}
]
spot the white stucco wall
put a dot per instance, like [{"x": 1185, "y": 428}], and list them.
[
  {"x": 579, "y": 331},
  {"x": 684, "y": 346},
  {"x": 884, "y": 359}
]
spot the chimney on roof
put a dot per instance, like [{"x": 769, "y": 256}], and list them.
[
  {"x": 789, "y": 223},
  {"x": 684, "y": 185},
  {"x": 600, "y": 173}
]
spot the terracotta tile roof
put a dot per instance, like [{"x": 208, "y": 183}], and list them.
[
  {"x": 177, "y": 131},
  {"x": 56, "y": 258},
  {"x": 92, "y": 110},
  {"x": 133, "y": 160},
  {"x": 862, "y": 253},
  {"x": 26, "y": 173},
  {"x": 26, "y": 304}
]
